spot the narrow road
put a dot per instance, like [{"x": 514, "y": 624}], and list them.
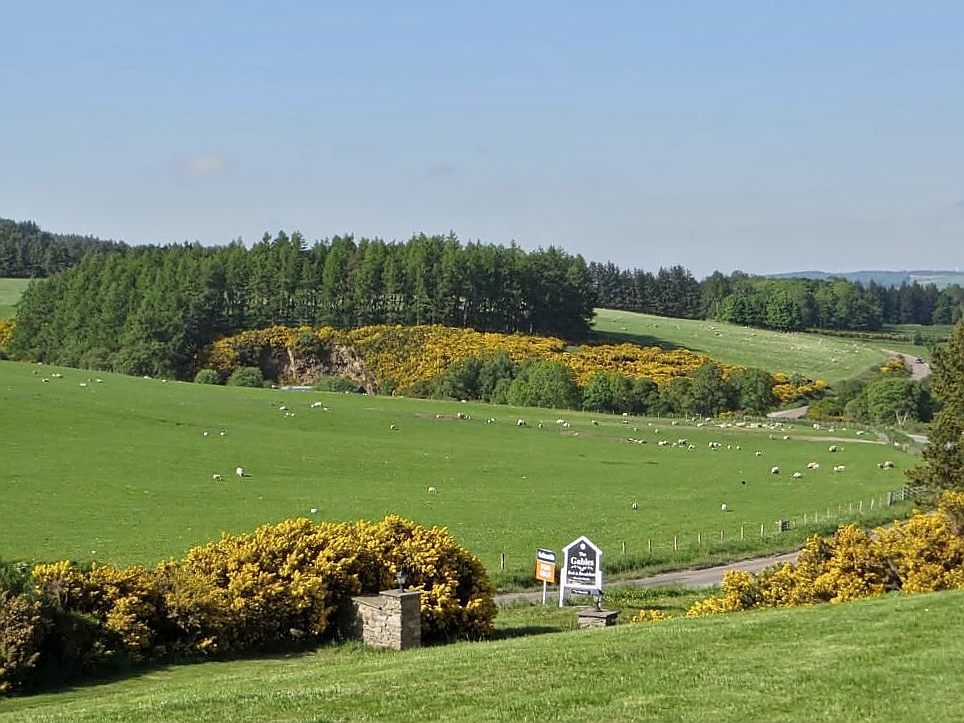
[
  {"x": 918, "y": 369},
  {"x": 703, "y": 577}
]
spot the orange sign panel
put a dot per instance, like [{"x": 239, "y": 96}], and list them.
[{"x": 545, "y": 571}]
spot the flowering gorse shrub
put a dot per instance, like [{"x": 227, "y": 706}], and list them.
[
  {"x": 402, "y": 357},
  {"x": 276, "y": 587},
  {"x": 6, "y": 332},
  {"x": 649, "y": 616},
  {"x": 919, "y": 555}
]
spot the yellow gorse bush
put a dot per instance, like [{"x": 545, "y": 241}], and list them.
[
  {"x": 919, "y": 555},
  {"x": 6, "y": 332},
  {"x": 279, "y": 584},
  {"x": 407, "y": 355},
  {"x": 649, "y": 616}
]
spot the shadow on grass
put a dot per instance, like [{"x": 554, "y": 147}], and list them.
[
  {"x": 599, "y": 338},
  {"x": 524, "y": 631}
]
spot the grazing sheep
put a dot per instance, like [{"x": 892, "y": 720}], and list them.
[
  {"x": 432, "y": 490},
  {"x": 797, "y": 475},
  {"x": 813, "y": 465},
  {"x": 888, "y": 464},
  {"x": 520, "y": 423},
  {"x": 315, "y": 405},
  {"x": 204, "y": 433},
  {"x": 758, "y": 453},
  {"x": 594, "y": 423},
  {"x": 839, "y": 468},
  {"x": 239, "y": 472},
  {"x": 314, "y": 510},
  {"x": 723, "y": 507},
  {"x": 832, "y": 448},
  {"x": 216, "y": 477},
  {"x": 774, "y": 470},
  {"x": 393, "y": 427},
  {"x": 635, "y": 506}
]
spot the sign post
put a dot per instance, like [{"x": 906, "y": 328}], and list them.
[
  {"x": 545, "y": 569},
  {"x": 581, "y": 568}
]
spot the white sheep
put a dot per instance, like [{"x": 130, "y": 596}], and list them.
[
  {"x": 723, "y": 507},
  {"x": 774, "y": 470},
  {"x": 832, "y": 448},
  {"x": 393, "y": 427},
  {"x": 239, "y": 472},
  {"x": 216, "y": 477},
  {"x": 520, "y": 423},
  {"x": 432, "y": 490},
  {"x": 888, "y": 464},
  {"x": 839, "y": 468},
  {"x": 797, "y": 475},
  {"x": 314, "y": 510},
  {"x": 813, "y": 465},
  {"x": 635, "y": 506}
]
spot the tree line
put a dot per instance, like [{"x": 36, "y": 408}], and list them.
[
  {"x": 27, "y": 252},
  {"x": 784, "y": 304},
  {"x": 150, "y": 309}
]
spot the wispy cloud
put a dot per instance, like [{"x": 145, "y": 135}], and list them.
[
  {"x": 441, "y": 170},
  {"x": 205, "y": 165}
]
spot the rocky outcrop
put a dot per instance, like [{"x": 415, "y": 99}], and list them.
[{"x": 290, "y": 366}]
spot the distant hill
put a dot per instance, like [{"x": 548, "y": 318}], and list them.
[{"x": 940, "y": 279}]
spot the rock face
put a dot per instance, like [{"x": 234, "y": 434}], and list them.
[{"x": 290, "y": 366}]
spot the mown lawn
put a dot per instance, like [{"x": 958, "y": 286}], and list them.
[
  {"x": 897, "y": 658},
  {"x": 121, "y": 471}
]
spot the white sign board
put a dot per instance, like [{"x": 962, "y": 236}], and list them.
[{"x": 581, "y": 568}]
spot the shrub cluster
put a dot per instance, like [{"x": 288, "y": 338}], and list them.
[
  {"x": 276, "y": 588},
  {"x": 919, "y": 555},
  {"x": 432, "y": 360},
  {"x": 6, "y": 334}
]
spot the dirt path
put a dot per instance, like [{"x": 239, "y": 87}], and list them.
[{"x": 704, "y": 577}]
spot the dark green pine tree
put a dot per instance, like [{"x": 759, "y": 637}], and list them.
[{"x": 943, "y": 467}]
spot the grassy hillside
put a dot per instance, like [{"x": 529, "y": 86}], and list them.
[
  {"x": 10, "y": 292},
  {"x": 896, "y": 658},
  {"x": 121, "y": 471},
  {"x": 811, "y": 355}
]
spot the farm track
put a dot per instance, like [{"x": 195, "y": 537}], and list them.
[{"x": 694, "y": 577}]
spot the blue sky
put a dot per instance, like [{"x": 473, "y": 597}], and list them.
[{"x": 761, "y": 136}]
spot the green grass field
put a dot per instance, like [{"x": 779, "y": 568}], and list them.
[
  {"x": 812, "y": 355},
  {"x": 896, "y": 658},
  {"x": 10, "y": 292},
  {"x": 121, "y": 471}
]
